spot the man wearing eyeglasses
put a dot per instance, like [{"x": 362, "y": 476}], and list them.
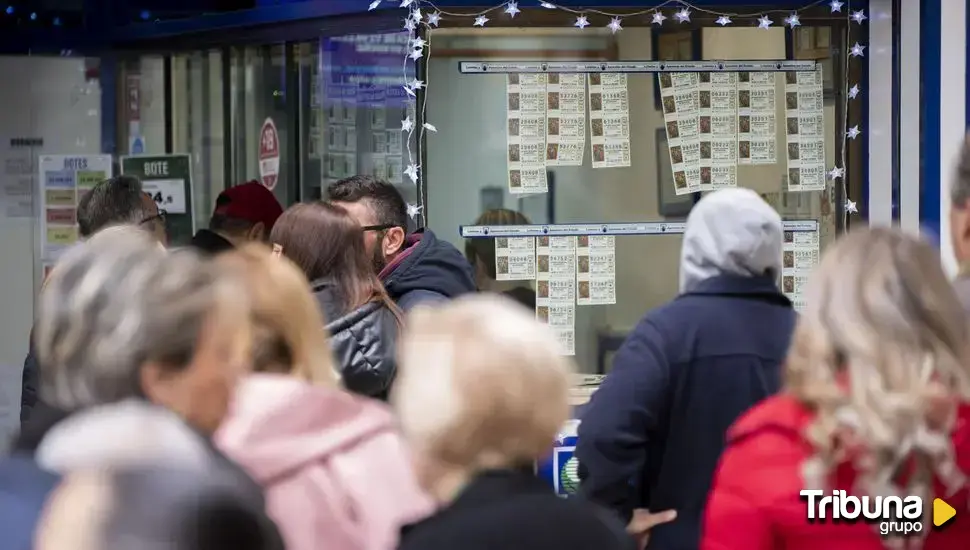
[{"x": 415, "y": 268}]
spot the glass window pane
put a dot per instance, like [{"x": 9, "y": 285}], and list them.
[{"x": 141, "y": 106}]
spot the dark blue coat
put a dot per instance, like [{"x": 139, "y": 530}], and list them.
[
  {"x": 652, "y": 434},
  {"x": 24, "y": 489},
  {"x": 430, "y": 270}
]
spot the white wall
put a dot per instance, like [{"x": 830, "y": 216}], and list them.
[
  {"x": 469, "y": 152},
  {"x": 51, "y": 100}
]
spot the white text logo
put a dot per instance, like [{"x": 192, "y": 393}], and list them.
[{"x": 894, "y": 515}]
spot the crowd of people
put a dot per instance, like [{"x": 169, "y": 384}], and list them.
[{"x": 321, "y": 377}]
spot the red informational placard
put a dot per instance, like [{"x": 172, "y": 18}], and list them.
[{"x": 269, "y": 154}]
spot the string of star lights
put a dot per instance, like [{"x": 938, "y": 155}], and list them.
[{"x": 678, "y": 11}]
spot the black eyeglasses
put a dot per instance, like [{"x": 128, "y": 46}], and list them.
[
  {"x": 381, "y": 227},
  {"x": 160, "y": 217}
]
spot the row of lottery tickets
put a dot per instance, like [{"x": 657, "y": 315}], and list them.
[
  {"x": 718, "y": 121},
  {"x": 568, "y": 271},
  {"x": 800, "y": 256},
  {"x": 547, "y": 125}
]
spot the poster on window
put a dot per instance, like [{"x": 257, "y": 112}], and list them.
[
  {"x": 556, "y": 288},
  {"x": 526, "y": 116},
  {"x": 805, "y": 130},
  {"x": 680, "y": 96},
  {"x": 609, "y": 120},
  {"x": 718, "y": 129},
  {"x": 515, "y": 258},
  {"x": 595, "y": 270},
  {"x": 756, "y": 118},
  {"x": 565, "y": 119}
]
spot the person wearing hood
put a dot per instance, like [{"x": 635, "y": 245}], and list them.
[
  {"x": 325, "y": 242},
  {"x": 319, "y": 452},
  {"x": 415, "y": 268},
  {"x": 650, "y": 438}
]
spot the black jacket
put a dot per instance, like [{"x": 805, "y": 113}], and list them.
[
  {"x": 513, "y": 510},
  {"x": 428, "y": 270},
  {"x": 363, "y": 342},
  {"x": 29, "y": 385},
  {"x": 210, "y": 243}
]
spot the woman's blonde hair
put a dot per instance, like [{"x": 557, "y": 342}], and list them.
[
  {"x": 482, "y": 384},
  {"x": 288, "y": 327},
  {"x": 883, "y": 336}
]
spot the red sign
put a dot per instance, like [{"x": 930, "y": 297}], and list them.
[
  {"x": 269, "y": 154},
  {"x": 133, "y": 89}
]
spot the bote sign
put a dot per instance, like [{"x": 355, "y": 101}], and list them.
[{"x": 269, "y": 154}]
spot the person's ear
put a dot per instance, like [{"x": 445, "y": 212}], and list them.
[
  {"x": 393, "y": 241},
  {"x": 156, "y": 383},
  {"x": 257, "y": 232}
]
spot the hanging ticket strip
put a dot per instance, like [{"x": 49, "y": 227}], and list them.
[
  {"x": 805, "y": 128},
  {"x": 575, "y": 264}
]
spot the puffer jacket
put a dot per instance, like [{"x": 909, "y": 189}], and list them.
[{"x": 363, "y": 341}]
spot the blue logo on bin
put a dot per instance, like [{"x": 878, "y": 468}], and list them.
[
  {"x": 137, "y": 146},
  {"x": 561, "y": 468}
]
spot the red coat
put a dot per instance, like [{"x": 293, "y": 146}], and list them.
[{"x": 754, "y": 502}]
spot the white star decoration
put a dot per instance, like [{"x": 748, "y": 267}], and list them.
[
  {"x": 429, "y": 127},
  {"x": 407, "y": 125},
  {"x": 858, "y": 50},
  {"x": 410, "y": 25},
  {"x": 836, "y": 5},
  {"x": 581, "y": 22},
  {"x": 417, "y": 15},
  {"x": 434, "y": 18},
  {"x": 683, "y": 16},
  {"x": 658, "y": 18},
  {"x": 853, "y": 132},
  {"x": 480, "y": 21},
  {"x": 406, "y": 3},
  {"x": 850, "y": 207},
  {"x": 792, "y": 20},
  {"x": 512, "y": 9},
  {"x": 373, "y": 5},
  {"x": 764, "y": 22},
  {"x": 614, "y": 25},
  {"x": 836, "y": 173},
  {"x": 414, "y": 210},
  {"x": 723, "y": 20},
  {"x": 859, "y": 16},
  {"x": 418, "y": 43},
  {"x": 412, "y": 172},
  {"x": 416, "y": 54},
  {"x": 547, "y": 5},
  {"x": 853, "y": 91}
]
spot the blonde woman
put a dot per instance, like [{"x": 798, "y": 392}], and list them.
[
  {"x": 482, "y": 392},
  {"x": 335, "y": 470},
  {"x": 876, "y": 404}
]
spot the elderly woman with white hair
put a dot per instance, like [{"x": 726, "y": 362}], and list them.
[{"x": 481, "y": 393}]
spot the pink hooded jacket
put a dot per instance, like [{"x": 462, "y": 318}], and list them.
[{"x": 335, "y": 470}]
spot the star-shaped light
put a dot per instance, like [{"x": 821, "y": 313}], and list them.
[
  {"x": 615, "y": 25},
  {"x": 723, "y": 20},
  {"x": 416, "y": 84},
  {"x": 416, "y": 54},
  {"x": 859, "y": 16},
  {"x": 410, "y": 91},
  {"x": 434, "y": 18},
  {"x": 836, "y": 172},
  {"x": 581, "y": 22},
  {"x": 417, "y": 15},
  {"x": 792, "y": 20},
  {"x": 853, "y": 132},
  {"x": 412, "y": 172},
  {"x": 407, "y": 124},
  {"x": 429, "y": 127},
  {"x": 853, "y": 91},
  {"x": 406, "y": 3},
  {"x": 850, "y": 207},
  {"x": 547, "y": 5},
  {"x": 410, "y": 25},
  {"x": 836, "y": 5},
  {"x": 373, "y": 5},
  {"x": 658, "y": 18},
  {"x": 414, "y": 210},
  {"x": 418, "y": 43},
  {"x": 764, "y": 22},
  {"x": 683, "y": 16},
  {"x": 480, "y": 21},
  {"x": 512, "y": 8},
  {"x": 858, "y": 50}
]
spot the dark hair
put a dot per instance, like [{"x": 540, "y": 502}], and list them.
[
  {"x": 116, "y": 201},
  {"x": 385, "y": 200},
  {"x": 326, "y": 243},
  {"x": 484, "y": 249},
  {"x": 171, "y": 509}
]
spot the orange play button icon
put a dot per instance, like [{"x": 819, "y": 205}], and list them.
[{"x": 942, "y": 512}]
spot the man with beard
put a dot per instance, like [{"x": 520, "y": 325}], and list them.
[{"x": 415, "y": 268}]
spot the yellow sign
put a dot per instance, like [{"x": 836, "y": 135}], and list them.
[
  {"x": 942, "y": 512},
  {"x": 61, "y": 235}
]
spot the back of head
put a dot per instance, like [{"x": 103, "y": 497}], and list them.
[
  {"x": 731, "y": 232},
  {"x": 326, "y": 243},
  {"x": 882, "y": 318},
  {"x": 288, "y": 334},
  {"x": 482, "y": 384},
  {"x": 115, "y": 302},
  {"x": 245, "y": 208},
  {"x": 116, "y": 201},
  {"x": 386, "y": 201},
  {"x": 482, "y": 251}
]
